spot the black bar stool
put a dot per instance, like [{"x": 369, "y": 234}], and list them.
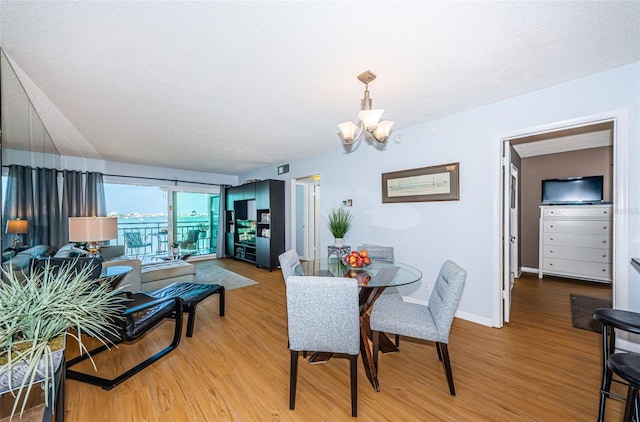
[
  {"x": 627, "y": 367},
  {"x": 612, "y": 319}
]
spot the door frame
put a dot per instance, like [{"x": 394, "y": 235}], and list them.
[
  {"x": 312, "y": 217},
  {"x": 620, "y": 197}
]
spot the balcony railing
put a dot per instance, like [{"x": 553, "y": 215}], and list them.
[{"x": 157, "y": 234}]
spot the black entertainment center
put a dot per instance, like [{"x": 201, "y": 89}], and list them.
[{"x": 255, "y": 222}]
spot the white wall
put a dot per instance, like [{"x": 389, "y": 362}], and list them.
[{"x": 424, "y": 234}]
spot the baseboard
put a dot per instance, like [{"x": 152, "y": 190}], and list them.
[
  {"x": 529, "y": 270},
  {"x": 459, "y": 314}
]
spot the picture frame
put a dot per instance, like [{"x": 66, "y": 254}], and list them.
[{"x": 434, "y": 183}]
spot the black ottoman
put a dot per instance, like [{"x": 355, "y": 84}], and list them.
[{"x": 191, "y": 294}]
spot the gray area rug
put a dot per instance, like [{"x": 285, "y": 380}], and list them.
[
  {"x": 582, "y": 308},
  {"x": 209, "y": 272}
]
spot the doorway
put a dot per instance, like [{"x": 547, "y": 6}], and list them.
[
  {"x": 556, "y": 138},
  {"x": 306, "y": 217}
]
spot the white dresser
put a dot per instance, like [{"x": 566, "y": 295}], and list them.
[{"x": 576, "y": 242}]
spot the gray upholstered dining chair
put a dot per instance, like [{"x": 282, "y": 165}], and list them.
[
  {"x": 378, "y": 252},
  {"x": 323, "y": 315},
  {"x": 288, "y": 261},
  {"x": 393, "y": 315}
]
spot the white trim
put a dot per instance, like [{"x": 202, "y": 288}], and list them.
[
  {"x": 292, "y": 214},
  {"x": 620, "y": 119},
  {"x": 459, "y": 314},
  {"x": 529, "y": 270}
]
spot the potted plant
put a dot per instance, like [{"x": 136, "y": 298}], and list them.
[
  {"x": 339, "y": 224},
  {"x": 175, "y": 248},
  {"x": 36, "y": 313}
]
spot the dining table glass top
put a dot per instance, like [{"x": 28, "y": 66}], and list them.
[{"x": 377, "y": 274}]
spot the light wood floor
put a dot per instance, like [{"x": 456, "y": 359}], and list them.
[{"x": 236, "y": 368}]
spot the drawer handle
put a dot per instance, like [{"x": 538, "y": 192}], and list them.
[
  {"x": 603, "y": 270},
  {"x": 551, "y": 226},
  {"x": 551, "y": 238},
  {"x": 604, "y": 256},
  {"x": 550, "y": 251},
  {"x": 551, "y": 263},
  {"x": 604, "y": 241},
  {"x": 605, "y": 227}
]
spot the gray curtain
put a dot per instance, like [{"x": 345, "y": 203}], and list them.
[
  {"x": 81, "y": 197},
  {"x": 46, "y": 219},
  {"x": 95, "y": 203},
  {"x": 221, "y": 250},
  {"x": 32, "y": 194},
  {"x": 72, "y": 199},
  {"x": 18, "y": 200}
]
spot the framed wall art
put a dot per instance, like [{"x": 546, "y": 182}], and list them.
[{"x": 435, "y": 183}]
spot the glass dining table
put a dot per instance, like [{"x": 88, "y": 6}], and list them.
[{"x": 372, "y": 280}]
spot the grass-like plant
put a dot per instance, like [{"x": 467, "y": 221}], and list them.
[
  {"x": 340, "y": 220},
  {"x": 40, "y": 309}
]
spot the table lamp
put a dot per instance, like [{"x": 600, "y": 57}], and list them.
[
  {"x": 17, "y": 227},
  {"x": 92, "y": 230}
]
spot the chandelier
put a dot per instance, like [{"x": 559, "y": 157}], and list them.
[{"x": 369, "y": 119}]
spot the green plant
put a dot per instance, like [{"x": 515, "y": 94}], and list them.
[
  {"x": 174, "y": 244},
  {"x": 340, "y": 220},
  {"x": 40, "y": 308}
]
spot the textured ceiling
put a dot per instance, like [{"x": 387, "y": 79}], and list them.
[{"x": 229, "y": 86}]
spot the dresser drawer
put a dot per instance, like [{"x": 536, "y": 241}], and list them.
[
  {"x": 578, "y": 268},
  {"x": 578, "y": 253},
  {"x": 577, "y": 239},
  {"x": 591, "y": 227},
  {"x": 578, "y": 211}
]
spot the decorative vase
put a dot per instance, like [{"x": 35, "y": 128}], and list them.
[
  {"x": 339, "y": 242},
  {"x": 20, "y": 368},
  {"x": 175, "y": 251}
]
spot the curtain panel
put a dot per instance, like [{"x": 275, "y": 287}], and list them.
[{"x": 32, "y": 194}]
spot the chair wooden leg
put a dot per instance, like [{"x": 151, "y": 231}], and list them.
[
  {"x": 375, "y": 336},
  {"x": 353, "y": 364},
  {"x": 439, "y": 352},
  {"x": 442, "y": 347},
  {"x": 293, "y": 380},
  {"x": 398, "y": 341}
]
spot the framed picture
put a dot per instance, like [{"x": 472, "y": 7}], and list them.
[{"x": 435, "y": 183}]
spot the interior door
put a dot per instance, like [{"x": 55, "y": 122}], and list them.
[
  {"x": 306, "y": 238},
  {"x": 507, "y": 192},
  {"x": 515, "y": 223}
]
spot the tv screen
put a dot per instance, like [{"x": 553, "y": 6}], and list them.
[{"x": 573, "y": 190}]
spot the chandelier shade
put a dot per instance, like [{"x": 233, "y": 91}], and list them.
[{"x": 369, "y": 120}]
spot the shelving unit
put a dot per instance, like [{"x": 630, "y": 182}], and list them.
[{"x": 260, "y": 206}]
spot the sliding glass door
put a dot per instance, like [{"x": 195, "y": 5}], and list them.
[{"x": 195, "y": 221}]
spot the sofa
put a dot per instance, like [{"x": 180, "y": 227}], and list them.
[{"x": 147, "y": 276}]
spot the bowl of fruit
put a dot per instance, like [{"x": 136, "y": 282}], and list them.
[{"x": 358, "y": 259}]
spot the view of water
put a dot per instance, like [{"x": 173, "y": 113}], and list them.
[{"x": 154, "y": 230}]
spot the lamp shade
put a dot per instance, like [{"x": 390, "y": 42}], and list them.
[
  {"x": 370, "y": 118},
  {"x": 92, "y": 229},
  {"x": 17, "y": 226},
  {"x": 348, "y": 130},
  {"x": 383, "y": 130}
]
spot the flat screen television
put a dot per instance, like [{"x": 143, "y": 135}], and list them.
[{"x": 573, "y": 190}]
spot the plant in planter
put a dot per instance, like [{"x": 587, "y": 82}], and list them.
[
  {"x": 36, "y": 314},
  {"x": 340, "y": 220},
  {"x": 175, "y": 247}
]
